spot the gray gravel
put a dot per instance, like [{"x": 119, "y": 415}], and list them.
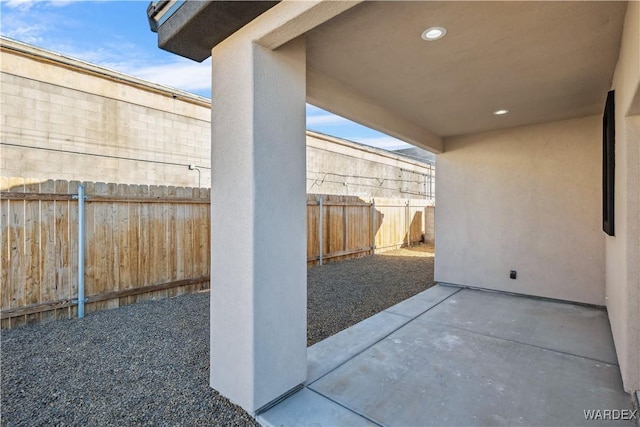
[
  {"x": 344, "y": 293},
  {"x": 148, "y": 363}
]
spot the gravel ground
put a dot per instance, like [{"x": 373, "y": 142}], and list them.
[
  {"x": 344, "y": 293},
  {"x": 148, "y": 363}
]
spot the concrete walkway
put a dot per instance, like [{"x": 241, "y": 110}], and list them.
[{"x": 451, "y": 356}]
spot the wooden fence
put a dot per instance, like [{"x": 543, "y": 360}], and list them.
[
  {"x": 141, "y": 242},
  {"x": 148, "y": 242},
  {"x": 350, "y": 226}
]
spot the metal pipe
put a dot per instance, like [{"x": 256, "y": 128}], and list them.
[
  {"x": 373, "y": 226},
  {"x": 193, "y": 167},
  {"x": 320, "y": 223},
  {"x": 408, "y": 221},
  {"x": 426, "y": 194},
  {"x": 81, "y": 300}
]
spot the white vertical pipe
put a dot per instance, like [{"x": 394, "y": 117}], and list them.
[
  {"x": 80, "y": 251},
  {"x": 320, "y": 224}
]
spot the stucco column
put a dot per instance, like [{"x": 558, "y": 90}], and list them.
[{"x": 258, "y": 221}]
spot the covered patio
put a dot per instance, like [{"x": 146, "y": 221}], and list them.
[
  {"x": 455, "y": 356},
  {"x": 510, "y": 96}
]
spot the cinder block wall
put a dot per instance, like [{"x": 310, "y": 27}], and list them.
[
  {"x": 340, "y": 167},
  {"x": 66, "y": 119}
]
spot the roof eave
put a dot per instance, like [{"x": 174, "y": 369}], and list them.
[{"x": 195, "y": 27}]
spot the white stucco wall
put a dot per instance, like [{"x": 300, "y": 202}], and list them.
[
  {"x": 524, "y": 199},
  {"x": 623, "y": 249}
]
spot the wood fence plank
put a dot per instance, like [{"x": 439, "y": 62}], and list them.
[
  {"x": 180, "y": 241},
  {"x": 143, "y": 244},
  {"x": 204, "y": 218},
  {"x": 111, "y": 249},
  {"x": 103, "y": 246},
  {"x": 121, "y": 238},
  {"x": 91, "y": 272},
  {"x": 16, "y": 252},
  {"x": 189, "y": 242},
  {"x": 200, "y": 241},
  {"x": 5, "y": 285},
  {"x": 197, "y": 246},
  {"x": 33, "y": 257},
  {"x": 163, "y": 230},
  {"x": 157, "y": 240},
  {"x": 312, "y": 231},
  {"x": 134, "y": 244},
  {"x": 123, "y": 293},
  {"x": 194, "y": 230},
  {"x": 335, "y": 229},
  {"x": 36, "y": 195},
  {"x": 361, "y": 223},
  {"x": 61, "y": 261},
  {"x": 170, "y": 240},
  {"x": 48, "y": 288}
]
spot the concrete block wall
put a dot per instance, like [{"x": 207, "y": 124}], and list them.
[
  {"x": 61, "y": 118},
  {"x": 336, "y": 166},
  {"x": 65, "y": 119}
]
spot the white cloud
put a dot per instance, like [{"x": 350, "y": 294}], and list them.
[
  {"x": 25, "y": 5},
  {"x": 20, "y": 4},
  {"x": 27, "y": 33},
  {"x": 127, "y": 58},
  {"x": 326, "y": 119},
  {"x": 21, "y": 23},
  {"x": 61, "y": 3},
  {"x": 384, "y": 142},
  {"x": 182, "y": 74}
]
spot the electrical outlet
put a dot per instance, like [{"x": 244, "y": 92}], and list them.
[{"x": 513, "y": 274}]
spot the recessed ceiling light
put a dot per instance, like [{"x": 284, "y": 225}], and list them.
[
  {"x": 434, "y": 33},
  {"x": 500, "y": 112}
]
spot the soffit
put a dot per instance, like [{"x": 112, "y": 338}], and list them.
[
  {"x": 196, "y": 27},
  {"x": 543, "y": 61}
]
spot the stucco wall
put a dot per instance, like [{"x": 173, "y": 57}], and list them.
[
  {"x": 524, "y": 199},
  {"x": 623, "y": 250}
]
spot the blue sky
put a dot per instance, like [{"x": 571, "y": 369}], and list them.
[{"x": 116, "y": 35}]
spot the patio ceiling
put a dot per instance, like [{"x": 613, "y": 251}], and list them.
[{"x": 543, "y": 61}]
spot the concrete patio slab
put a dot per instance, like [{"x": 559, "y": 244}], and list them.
[
  {"x": 308, "y": 408},
  {"x": 330, "y": 353},
  {"x": 574, "y": 329},
  {"x": 427, "y": 372},
  {"x": 437, "y": 375},
  {"x": 422, "y": 302}
]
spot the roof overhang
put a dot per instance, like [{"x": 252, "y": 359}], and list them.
[
  {"x": 367, "y": 61},
  {"x": 192, "y": 28}
]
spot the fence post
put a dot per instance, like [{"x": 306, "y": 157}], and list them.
[
  {"x": 81, "y": 198},
  {"x": 408, "y": 219},
  {"x": 373, "y": 226},
  {"x": 320, "y": 224}
]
